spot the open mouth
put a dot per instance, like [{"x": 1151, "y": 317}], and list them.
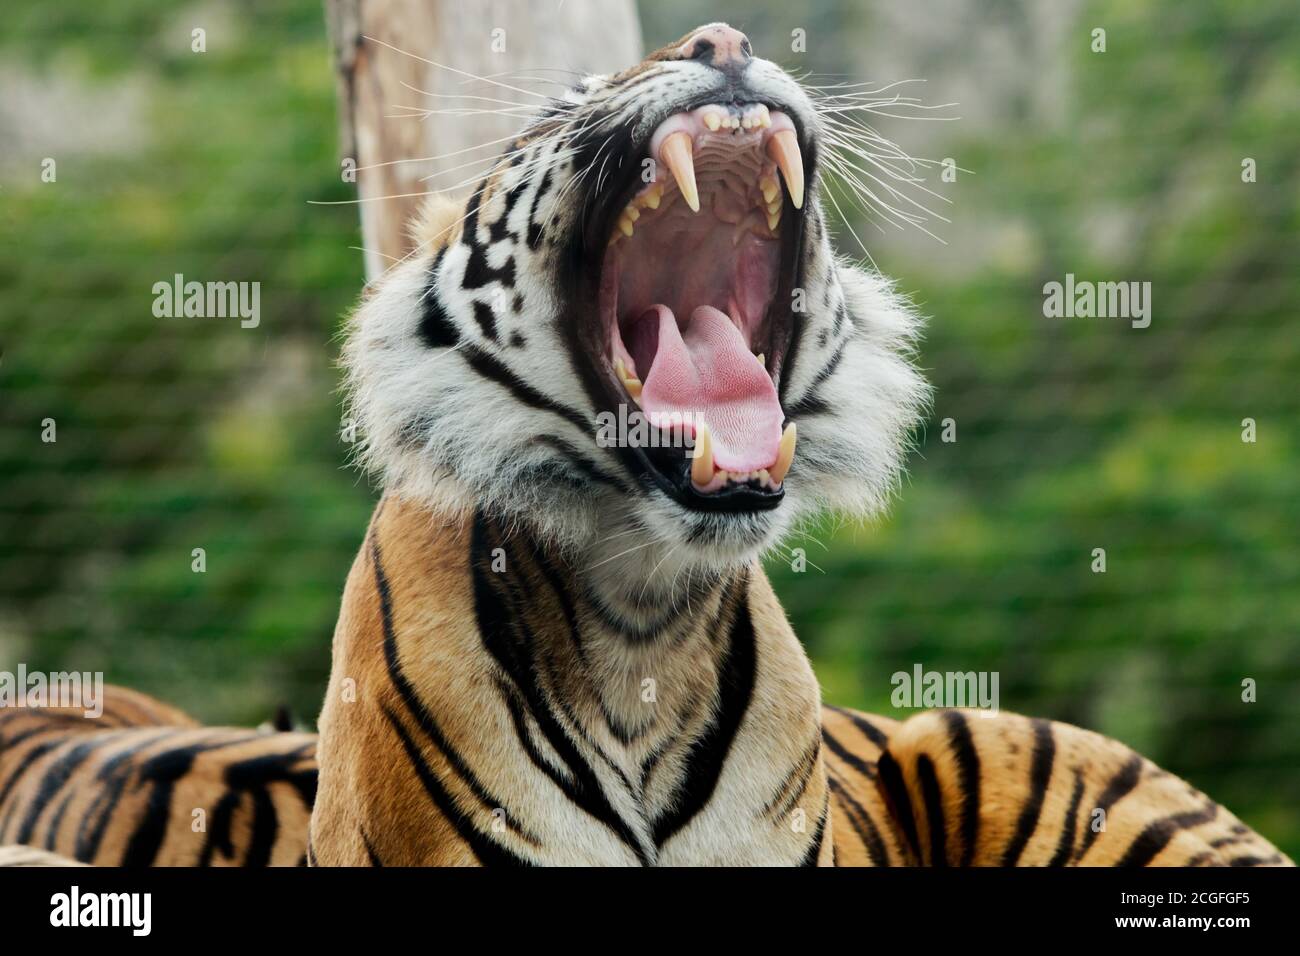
[{"x": 694, "y": 304}]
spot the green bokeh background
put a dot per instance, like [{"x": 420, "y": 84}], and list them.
[{"x": 1071, "y": 434}]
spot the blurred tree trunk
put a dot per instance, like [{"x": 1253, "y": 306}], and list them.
[{"x": 493, "y": 53}]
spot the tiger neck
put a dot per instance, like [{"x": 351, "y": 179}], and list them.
[{"x": 649, "y": 708}]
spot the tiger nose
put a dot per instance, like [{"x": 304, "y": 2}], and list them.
[{"x": 719, "y": 45}]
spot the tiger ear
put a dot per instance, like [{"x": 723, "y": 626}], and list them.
[{"x": 438, "y": 224}]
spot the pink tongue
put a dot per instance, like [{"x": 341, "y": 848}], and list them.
[{"x": 711, "y": 376}]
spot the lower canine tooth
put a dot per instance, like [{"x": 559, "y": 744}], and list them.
[
  {"x": 784, "y": 455},
  {"x": 630, "y": 381},
  {"x": 675, "y": 151},
  {"x": 702, "y": 466}
]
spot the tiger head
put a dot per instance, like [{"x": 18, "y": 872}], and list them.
[{"x": 635, "y": 335}]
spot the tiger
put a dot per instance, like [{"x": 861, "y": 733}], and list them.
[
  {"x": 144, "y": 784},
  {"x": 555, "y": 649},
  {"x": 581, "y": 394}
]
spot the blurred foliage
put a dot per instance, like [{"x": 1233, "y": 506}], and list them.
[{"x": 1071, "y": 434}]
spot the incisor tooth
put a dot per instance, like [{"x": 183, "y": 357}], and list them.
[
  {"x": 676, "y": 152},
  {"x": 783, "y": 147},
  {"x": 712, "y": 121},
  {"x": 702, "y": 466},
  {"x": 784, "y": 455}
]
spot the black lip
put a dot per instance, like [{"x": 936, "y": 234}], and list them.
[
  {"x": 667, "y": 468},
  {"x": 670, "y": 470}
]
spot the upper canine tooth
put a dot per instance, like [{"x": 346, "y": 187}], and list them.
[
  {"x": 784, "y": 455},
  {"x": 702, "y": 466},
  {"x": 783, "y": 147},
  {"x": 675, "y": 151}
]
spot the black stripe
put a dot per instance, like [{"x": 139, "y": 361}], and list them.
[
  {"x": 478, "y": 272},
  {"x": 1225, "y": 841},
  {"x": 1039, "y": 775},
  {"x": 220, "y": 835},
  {"x": 933, "y": 801},
  {"x": 704, "y": 761},
  {"x": 811, "y": 402},
  {"x": 370, "y": 850},
  {"x": 161, "y": 771},
  {"x": 487, "y": 850},
  {"x": 870, "y": 730},
  {"x": 419, "y": 712},
  {"x": 54, "y": 779},
  {"x": 112, "y": 777},
  {"x": 862, "y": 823},
  {"x": 497, "y": 623},
  {"x": 535, "y": 227},
  {"x": 1066, "y": 843},
  {"x": 815, "y": 847},
  {"x": 561, "y": 592},
  {"x": 486, "y": 319},
  {"x": 1255, "y": 860},
  {"x": 266, "y": 824},
  {"x": 255, "y": 775},
  {"x": 500, "y": 229},
  {"x": 898, "y": 800},
  {"x": 839, "y": 750},
  {"x": 968, "y": 781},
  {"x": 52, "y": 831},
  {"x": 795, "y": 783},
  {"x": 491, "y": 368},
  {"x": 520, "y": 722},
  {"x": 576, "y": 459},
  {"x": 1156, "y": 835},
  {"x": 32, "y": 756},
  {"x": 437, "y": 330},
  {"x": 1118, "y": 787}
]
